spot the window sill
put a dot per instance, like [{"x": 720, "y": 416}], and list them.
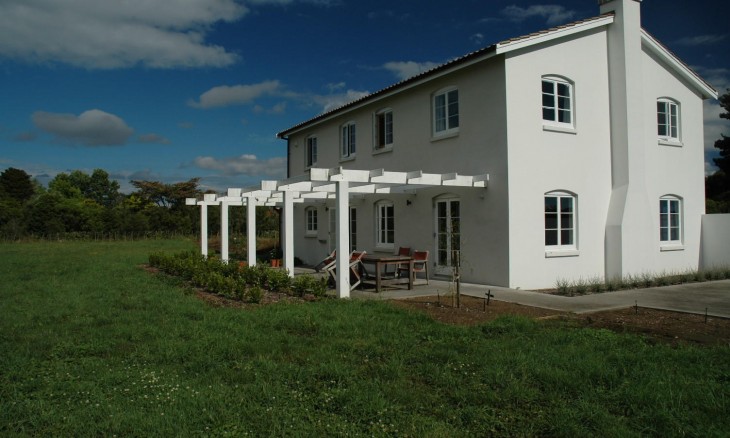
[
  {"x": 384, "y": 150},
  {"x": 564, "y": 129},
  {"x": 444, "y": 136},
  {"x": 346, "y": 159},
  {"x": 673, "y": 143},
  {"x": 549, "y": 253},
  {"x": 310, "y": 235},
  {"x": 670, "y": 247},
  {"x": 386, "y": 248}
]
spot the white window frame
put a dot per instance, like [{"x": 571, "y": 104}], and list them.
[
  {"x": 311, "y": 219},
  {"x": 558, "y": 106},
  {"x": 382, "y": 208},
  {"x": 671, "y": 125},
  {"x": 559, "y": 227},
  {"x": 310, "y": 152},
  {"x": 670, "y": 232},
  {"x": 348, "y": 140},
  {"x": 383, "y": 130},
  {"x": 448, "y": 123}
]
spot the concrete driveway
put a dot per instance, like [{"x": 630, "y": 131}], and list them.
[{"x": 711, "y": 296}]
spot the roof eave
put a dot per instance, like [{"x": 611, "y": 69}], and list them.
[
  {"x": 415, "y": 81},
  {"x": 560, "y": 32},
  {"x": 705, "y": 89}
]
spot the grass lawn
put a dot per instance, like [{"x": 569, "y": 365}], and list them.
[{"x": 92, "y": 345}]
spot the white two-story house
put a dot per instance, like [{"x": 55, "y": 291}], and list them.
[{"x": 591, "y": 135}]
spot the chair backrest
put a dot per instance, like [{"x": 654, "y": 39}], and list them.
[
  {"x": 420, "y": 256},
  {"x": 404, "y": 251},
  {"x": 356, "y": 256}
]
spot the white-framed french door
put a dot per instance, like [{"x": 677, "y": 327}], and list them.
[
  {"x": 332, "y": 230},
  {"x": 447, "y": 223}
]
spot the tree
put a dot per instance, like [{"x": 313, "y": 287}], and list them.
[
  {"x": 16, "y": 184},
  {"x": 717, "y": 185},
  {"x": 723, "y": 144},
  {"x": 96, "y": 187},
  {"x": 167, "y": 195}
]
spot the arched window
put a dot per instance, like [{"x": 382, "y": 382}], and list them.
[
  {"x": 347, "y": 140},
  {"x": 560, "y": 223},
  {"x": 667, "y": 114},
  {"x": 670, "y": 220},
  {"x": 446, "y": 112},
  {"x": 311, "y": 218},
  {"x": 311, "y": 151},
  {"x": 383, "y": 129},
  {"x": 384, "y": 224},
  {"x": 557, "y": 101}
]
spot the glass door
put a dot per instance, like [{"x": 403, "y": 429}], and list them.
[{"x": 448, "y": 234}]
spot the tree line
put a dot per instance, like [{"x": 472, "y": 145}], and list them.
[
  {"x": 77, "y": 202},
  {"x": 717, "y": 185}
]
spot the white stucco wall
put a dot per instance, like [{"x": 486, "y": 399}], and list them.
[
  {"x": 479, "y": 148},
  {"x": 541, "y": 161},
  {"x": 715, "y": 241},
  {"x": 672, "y": 169}
]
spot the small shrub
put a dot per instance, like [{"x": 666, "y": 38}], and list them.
[
  {"x": 580, "y": 286},
  {"x": 613, "y": 284},
  {"x": 596, "y": 285},
  {"x": 307, "y": 284},
  {"x": 254, "y": 294},
  {"x": 563, "y": 286},
  {"x": 646, "y": 279},
  {"x": 278, "y": 280}
]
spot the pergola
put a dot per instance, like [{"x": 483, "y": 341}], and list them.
[{"x": 317, "y": 185}]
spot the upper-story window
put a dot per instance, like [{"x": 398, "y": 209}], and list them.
[
  {"x": 311, "y": 217},
  {"x": 446, "y": 112},
  {"x": 311, "y": 151},
  {"x": 384, "y": 224},
  {"x": 667, "y": 114},
  {"x": 557, "y": 101},
  {"x": 347, "y": 140},
  {"x": 560, "y": 220},
  {"x": 670, "y": 220},
  {"x": 384, "y": 129}
]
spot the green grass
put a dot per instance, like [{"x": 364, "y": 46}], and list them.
[{"x": 91, "y": 345}]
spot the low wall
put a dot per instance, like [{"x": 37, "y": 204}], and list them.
[{"x": 715, "y": 244}]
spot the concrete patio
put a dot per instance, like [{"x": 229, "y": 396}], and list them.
[{"x": 712, "y": 297}]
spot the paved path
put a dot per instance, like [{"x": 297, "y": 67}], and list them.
[{"x": 711, "y": 296}]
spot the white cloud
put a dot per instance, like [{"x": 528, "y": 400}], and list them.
[
  {"x": 477, "y": 39},
  {"x": 91, "y": 128},
  {"x": 553, "y": 14},
  {"x": 700, "y": 40},
  {"x": 153, "y": 138},
  {"x": 407, "y": 69},
  {"x": 246, "y": 164},
  {"x": 332, "y": 101},
  {"x": 225, "y": 95},
  {"x": 112, "y": 34}
]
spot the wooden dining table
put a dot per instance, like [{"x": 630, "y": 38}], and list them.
[{"x": 381, "y": 261}]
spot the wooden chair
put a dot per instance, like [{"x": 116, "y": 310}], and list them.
[
  {"x": 326, "y": 262},
  {"x": 420, "y": 264},
  {"x": 403, "y": 251},
  {"x": 356, "y": 269}
]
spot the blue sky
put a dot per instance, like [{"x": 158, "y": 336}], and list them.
[{"x": 170, "y": 90}]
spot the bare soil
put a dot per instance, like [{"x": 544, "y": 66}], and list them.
[{"x": 657, "y": 325}]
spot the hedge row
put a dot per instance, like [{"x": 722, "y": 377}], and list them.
[{"x": 235, "y": 281}]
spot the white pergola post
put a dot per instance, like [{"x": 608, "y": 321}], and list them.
[
  {"x": 342, "y": 199},
  {"x": 251, "y": 230},
  {"x": 204, "y": 229},
  {"x": 224, "y": 231},
  {"x": 288, "y": 229}
]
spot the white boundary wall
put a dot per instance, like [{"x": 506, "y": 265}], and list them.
[{"x": 715, "y": 249}]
